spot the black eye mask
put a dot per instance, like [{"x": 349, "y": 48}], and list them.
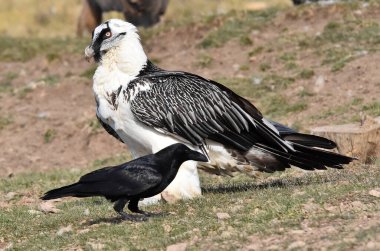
[{"x": 98, "y": 42}]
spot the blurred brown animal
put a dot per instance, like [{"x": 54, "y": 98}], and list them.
[{"x": 139, "y": 12}]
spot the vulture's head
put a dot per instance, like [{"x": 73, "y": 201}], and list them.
[{"x": 113, "y": 35}]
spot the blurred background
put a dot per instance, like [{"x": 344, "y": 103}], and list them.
[
  {"x": 304, "y": 65},
  {"x": 51, "y": 18}
]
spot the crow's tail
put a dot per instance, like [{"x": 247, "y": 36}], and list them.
[{"x": 74, "y": 190}]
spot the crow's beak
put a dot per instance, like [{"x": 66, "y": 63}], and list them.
[
  {"x": 89, "y": 53},
  {"x": 197, "y": 156}
]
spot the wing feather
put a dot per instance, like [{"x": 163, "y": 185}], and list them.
[{"x": 197, "y": 109}]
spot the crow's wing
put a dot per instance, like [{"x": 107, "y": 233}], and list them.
[{"x": 196, "y": 109}]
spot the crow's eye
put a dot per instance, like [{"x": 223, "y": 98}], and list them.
[{"x": 108, "y": 34}]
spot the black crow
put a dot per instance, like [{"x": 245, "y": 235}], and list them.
[{"x": 140, "y": 178}]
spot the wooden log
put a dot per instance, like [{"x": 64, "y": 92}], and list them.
[{"x": 360, "y": 140}]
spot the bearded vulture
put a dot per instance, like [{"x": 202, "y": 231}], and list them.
[{"x": 149, "y": 108}]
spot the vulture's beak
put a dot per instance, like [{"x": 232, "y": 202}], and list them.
[{"x": 89, "y": 53}]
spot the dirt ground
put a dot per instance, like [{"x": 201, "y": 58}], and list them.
[{"x": 50, "y": 114}]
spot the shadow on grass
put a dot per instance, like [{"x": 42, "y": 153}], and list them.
[
  {"x": 279, "y": 183},
  {"x": 119, "y": 219},
  {"x": 112, "y": 220}
]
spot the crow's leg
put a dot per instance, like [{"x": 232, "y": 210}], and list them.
[
  {"x": 134, "y": 207},
  {"x": 119, "y": 206}
]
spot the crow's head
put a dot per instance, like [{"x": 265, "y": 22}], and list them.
[{"x": 183, "y": 153}]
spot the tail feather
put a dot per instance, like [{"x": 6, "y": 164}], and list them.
[
  {"x": 310, "y": 140},
  {"x": 304, "y": 157},
  {"x": 74, "y": 190}
]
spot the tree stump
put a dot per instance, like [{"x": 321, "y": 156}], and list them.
[{"x": 360, "y": 140}]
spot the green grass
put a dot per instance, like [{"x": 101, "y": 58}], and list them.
[
  {"x": 306, "y": 74},
  {"x": 344, "y": 116},
  {"x": 6, "y": 82},
  {"x": 89, "y": 73},
  {"x": 261, "y": 207},
  {"x": 204, "y": 60},
  {"x": 50, "y": 80},
  {"x": 5, "y": 121},
  {"x": 372, "y": 109},
  {"x": 267, "y": 94},
  {"x": 49, "y": 135},
  {"x": 22, "y": 49},
  {"x": 237, "y": 24}
]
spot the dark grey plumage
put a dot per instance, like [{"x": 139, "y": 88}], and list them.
[{"x": 129, "y": 182}]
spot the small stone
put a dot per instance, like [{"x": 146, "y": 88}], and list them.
[
  {"x": 64, "y": 230},
  {"x": 297, "y": 231},
  {"x": 223, "y": 216},
  {"x": 319, "y": 84},
  {"x": 177, "y": 247},
  {"x": 167, "y": 228},
  {"x": 83, "y": 231},
  {"x": 86, "y": 212},
  {"x": 375, "y": 192},
  {"x": 42, "y": 115},
  {"x": 296, "y": 244},
  {"x": 9, "y": 196},
  {"x": 33, "y": 212},
  {"x": 48, "y": 207},
  {"x": 257, "y": 80}
]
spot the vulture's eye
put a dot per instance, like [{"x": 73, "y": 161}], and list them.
[{"x": 108, "y": 34}]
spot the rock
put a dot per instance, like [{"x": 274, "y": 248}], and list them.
[
  {"x": 9, "y": 196},
  {"x": 297, "y": 231},
  {"x": 167, "y": 228},
  {"x": 48, "y": 207},
  {"x": 83, "y": 231},
  {"x": 86, "y": 212},
  {"x": 319, "y": 84},
  {"x": 257, "y": 80},
  {"x": 223, "y": 216},
  {"x": 375, "y": 192},
  {"x": 64, "y": 230},
  {"x": 296, "y": 244},
  {"x": 33, "y": 212},
  {"x": 177, "y": 247}
]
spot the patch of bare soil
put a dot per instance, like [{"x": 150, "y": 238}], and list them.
[
  {"x": 51, "y": 126},
  {"x": 320, "y": 236},
  {"x": 52, "y": 112}
]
